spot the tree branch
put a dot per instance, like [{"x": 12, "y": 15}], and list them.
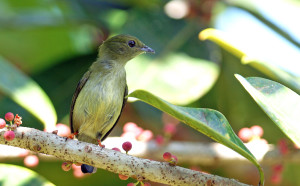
[{"x": 113, "y": 161}]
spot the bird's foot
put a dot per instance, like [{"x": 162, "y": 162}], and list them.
[
  {"x": 71, "y": 136},
  {"x": 99, "y": 142}
]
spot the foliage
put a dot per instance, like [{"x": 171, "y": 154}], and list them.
[{"x": 46, "y": 46}]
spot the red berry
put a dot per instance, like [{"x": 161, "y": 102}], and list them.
[
  {"x": 245, "y": 134},
  {"x": 123, "y": 177},
  {"x": 127, "y": 146},
  {"x": 167, "y": 156},
  {"x": 63, "y": 130},
  {"x": 276, "y": 178},
  {"x": 283, "y": 147},
  {"x": 277, "y": 168},
  {"x": 66, "y": 166},
  {"x": 31, "y": 161},
  {"x": 9, "y": 135},
  {"x": 9, "y": 116},
  {"x": 257, "y": 130},
  {"x": 116, "y": 149},
  {"x": 147, "y": 184},
  {"x": 2, "y": 123},
  {"x": 130, "y": 184}
]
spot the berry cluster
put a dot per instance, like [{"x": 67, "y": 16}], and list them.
[
  {"x": 249, "y": 134},
  {"x": 131, "y": 130},
  {"x": 14, "y": 122}
]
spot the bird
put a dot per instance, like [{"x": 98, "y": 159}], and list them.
[{"x": 101, "y": 93}]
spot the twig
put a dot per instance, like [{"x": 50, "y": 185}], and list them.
[{"x": 113, "y": 161}]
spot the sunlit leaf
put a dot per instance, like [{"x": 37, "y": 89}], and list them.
[
  {"x": 16, "y": 175},
  {"x": 179, "y": 79},
  {"x": 207, "y": 121},
  {"x": 26, "y": 93},
  {"x": 232, "y": 45},
  {"x": 280, "y": 103}
]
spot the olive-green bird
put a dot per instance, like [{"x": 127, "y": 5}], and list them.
[{"x": 101, "y": 93}]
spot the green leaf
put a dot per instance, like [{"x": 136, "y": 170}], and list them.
[
  {"x": 280, "y": 103},
  {"x": 26, "y": 93},
  {"x": 16, "y": 175},
  {"x": 177, "y": 78},
  {"x": 207, "y": 121}
]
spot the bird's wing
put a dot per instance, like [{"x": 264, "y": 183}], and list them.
[
  {"x": 79, "y": 87},
  {"x": 124, "y": 102}
]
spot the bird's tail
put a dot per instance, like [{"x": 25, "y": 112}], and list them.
[{"x": 88, "y": 169}]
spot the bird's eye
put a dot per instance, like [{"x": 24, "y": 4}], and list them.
[{"x": 131, "y": 43}]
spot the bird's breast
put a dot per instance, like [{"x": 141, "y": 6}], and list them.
[{"x": 99, "y": 103}]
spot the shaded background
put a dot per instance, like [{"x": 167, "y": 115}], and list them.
[{"x": 54, "y": 42}]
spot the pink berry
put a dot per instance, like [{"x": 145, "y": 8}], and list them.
[
  {"x": 127, "y": 146},
  {"x": 31, "y": 161},
  {"x": 123, "y": 177},
  {"x": 116, "y": 149},
  {"x": 257, "y": 130},
  {"x": 2, "y": 123},
  {"x": 170, "y": 128},
  {"x": 147, "y": 184},
  {"x": 245, "y": 134},
  {"x": 66, "y": 166},
  {"x": 77, "y": 173},
  {"x": 129, "y": 127},
  {"x": 9, "y": 135},
  {"x": 174, "y": 157},
  {"x": 145, "y": 136},
  {"x": 9, "y": 116},
  {"x": 130, "y": 184},
  {"x": 167, "y": 156},
  {"x": 159, "y": 139},
  {"x": 173, "y": 160},
  {"x": 63, "y": 130}
]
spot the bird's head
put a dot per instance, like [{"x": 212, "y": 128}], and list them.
[{"x": 123, "y": 48}]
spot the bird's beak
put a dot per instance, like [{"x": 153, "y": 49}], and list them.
[{"x": 147, "y": 49}]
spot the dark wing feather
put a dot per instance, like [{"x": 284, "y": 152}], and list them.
[
  {"x": 79, "y": 87},
  {"x": 124, "y": 102}
]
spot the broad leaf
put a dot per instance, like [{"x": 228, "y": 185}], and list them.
[
  {"x": 26, "y": 93},
  {"x": 16, "y": 175},
  {"x": 207, "y": 121},
  {"x": 280, "y": 103},
  {"x": 233, "y": 45}
]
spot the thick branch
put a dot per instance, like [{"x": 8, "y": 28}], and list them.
[{"x": 113, "y": 161}]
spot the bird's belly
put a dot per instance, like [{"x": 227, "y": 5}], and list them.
[{"x": 97, "y": 108}]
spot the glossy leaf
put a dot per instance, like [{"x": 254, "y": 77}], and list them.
[
  {"x": 280, "y": 103},
  {"x": 16, "y": 175},
  {"x": 207, "y": 121},
  {"x": 26, "y": 93},
  {"x": 177, "y": 78}
]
